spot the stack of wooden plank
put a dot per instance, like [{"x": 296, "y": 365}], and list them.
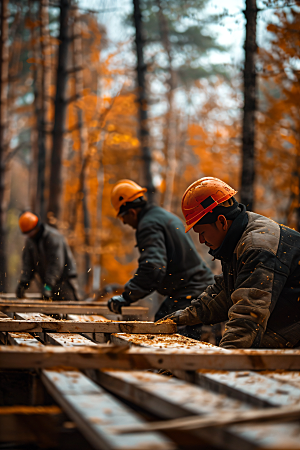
[{"x": 74, "y": 377}]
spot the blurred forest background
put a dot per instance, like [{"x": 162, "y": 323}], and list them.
[{"x": 79, "y": 111}]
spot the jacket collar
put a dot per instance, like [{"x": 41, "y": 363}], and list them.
[
  {"x": 226, "y": 249},
  {"x": 144, "y": 211}
]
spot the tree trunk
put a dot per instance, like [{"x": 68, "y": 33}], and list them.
[
  {"x": 55, "y": 186},
  {"x": 142, "y": 99},
  {"x": 83, "y": 139},
  {"x": 170, "y": 131},
  {"x": 248, "y": 159},
  {"x": 43, "y": 109},
  {"x": 3, "y": 136}
]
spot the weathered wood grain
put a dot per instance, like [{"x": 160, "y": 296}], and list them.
[
  {"x": 66, "y": 326},
  {"x": 95, "y": 412},
  {"x": 250, "y": 387},
  {"x": 165, "y": 341},
  {"x": 75, "y": 308},
  {"x": 172, "y": 398},
  {"x": 67, "y": 339},
  {"x": 120, "y": 357}
]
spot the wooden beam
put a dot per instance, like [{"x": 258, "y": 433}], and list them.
[
  {"x": 67, "y": 339},
  {"x": 216, "y": 420},
  {"x": 66, "y": 326},
  {"x": 94, "y": 411},
  {"x": 250, "y": 387},
  {"x": 58, "y": 308},
  {"x": 170, "y": 398},
  {"x": 119, "y": 357},
  {"x": 30, "y": 424},
  {"x": 160, "y": 341}
]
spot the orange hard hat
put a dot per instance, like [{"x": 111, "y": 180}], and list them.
[
  {"x": 28, "y": 221},
  {"x": 125, "y": 191},
  {"x": 203, "y": 196}
]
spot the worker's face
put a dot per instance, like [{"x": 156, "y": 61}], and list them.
[
  {"x": 130, "y": 218},
  {"x": 213, "y": 234}
]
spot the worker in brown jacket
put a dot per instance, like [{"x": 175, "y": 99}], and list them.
[
  {"x": 259, "y": 290},
  {"x": 47, "y": 254}
]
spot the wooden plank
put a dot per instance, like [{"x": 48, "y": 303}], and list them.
[
  {"x": 160, "y": 341},
  {"x": 119, "y": 357},
  {"x": 26, "y": 424},
  {"x": 249, "y": 386},
  {"x": 23, "y": 339},
  {"x": 168, "y": 397},
  {"x": 216, "y": 420},
  {"x": 95, "y": 412},
  {"x": 292, "y": 378},
  {"x": 67, "y": 339},
  {"x": 66, "y": 326},
  {"x": 58, "y": 308}
]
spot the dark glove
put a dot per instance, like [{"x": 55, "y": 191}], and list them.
[
  {"x": 21, "y": 288},
  {"x": 187, "y": 316},
  {"x": 47, "y": 292},
  {"x": 116, "y": 303}
]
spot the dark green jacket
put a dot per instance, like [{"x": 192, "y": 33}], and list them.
[
  {"x": 168, "y": 262},
  {"x": 48, "y": 255},
  {"x": 259, "y": 292}
]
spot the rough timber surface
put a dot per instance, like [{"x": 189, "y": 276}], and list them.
[
  {"x": 252, "y": 387},
  {"x": 172, "y": 398},
  {"x": 160, "y": 341},
  {"x": 95, "y": 412},
  {"x": 119, "y": 357},
  {"x": 57, "y": 307},
  {"x": 66, "y": 326}
]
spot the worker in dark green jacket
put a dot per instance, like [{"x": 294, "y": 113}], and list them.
[
  {"x": 47, "y": 254},
  {"x": 258, "y": 292},
  {"x": 168, "y": 262}
]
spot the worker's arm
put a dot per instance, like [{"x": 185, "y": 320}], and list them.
[
  {"x": 211, "y": 306},
  {"x": 261, "y": 278},
  {"x": 152, "y": 263}
]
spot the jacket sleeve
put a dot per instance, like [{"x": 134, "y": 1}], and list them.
[
  {"x": 152, "y": 263},
  {"x": 211, "y": 306},
  {"x": 261, "y": 278},
  {"x": 28, "y": 267},
  {"x": 54, "y": 249}
]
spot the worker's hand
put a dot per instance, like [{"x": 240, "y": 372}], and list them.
[
  {"x": 21, "y": 288},
  {"x": 180, "y": 317},
  {"x": 47, "y": 292},
  {"x": 116, "y": 303}
]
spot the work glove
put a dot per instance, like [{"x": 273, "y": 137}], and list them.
[
  {"x": 116, "y": 303},
  {"x": 187, "y": 316},
  {"x": 21, "y": 288},
  {"x": 47, "y": 292}
]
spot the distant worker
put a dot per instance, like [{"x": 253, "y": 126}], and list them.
[
  {"x": 258, "y": 293},
  {"x": 47, "y": 254},
  {"x": 168, "y": 262}
]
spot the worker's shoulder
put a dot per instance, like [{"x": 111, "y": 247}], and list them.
[
  {"x": 157, "y": 215},
  {"x": 52, "y": 233},
  {"x": 261, "y": 233}
]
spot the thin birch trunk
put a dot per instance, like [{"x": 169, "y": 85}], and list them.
[
  {"x": 143, "y": 103},
  {"x": 3, "y": 136},
  {"x": 55, "y": 185},
  {"x": 248, "y": 149}
]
